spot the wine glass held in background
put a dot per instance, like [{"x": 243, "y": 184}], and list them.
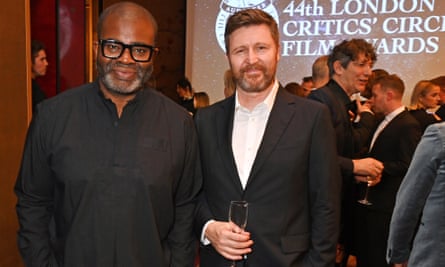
[
  {"x": 238, "y": 215},
  {"x": 365, "y": 200}
]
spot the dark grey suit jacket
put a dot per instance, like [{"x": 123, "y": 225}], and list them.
[{"x": 293, "y": 189}]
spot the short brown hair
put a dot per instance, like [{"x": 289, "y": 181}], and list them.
[
  {"x": 391, "y": 82},
  {"x": 248, "y": 17}
]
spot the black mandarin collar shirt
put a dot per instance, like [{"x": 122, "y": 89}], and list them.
[{"x": 120, "y": 190}]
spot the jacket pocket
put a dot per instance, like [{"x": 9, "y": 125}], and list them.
[{"x": 295, "y": 243}]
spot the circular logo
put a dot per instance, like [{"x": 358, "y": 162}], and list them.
[{"x": 228, "y": 7}]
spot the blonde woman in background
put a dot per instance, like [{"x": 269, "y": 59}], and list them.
[
  {"x": 229, "y": 83},
  {"x": 424, "y": 101}
]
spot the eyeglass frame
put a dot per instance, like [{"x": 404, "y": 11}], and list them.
[{"x": 153, "y": 50}]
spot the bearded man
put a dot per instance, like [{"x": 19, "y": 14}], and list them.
[
  {"x": 113, "y": 164},
  {"x": 272, "y": 149}
]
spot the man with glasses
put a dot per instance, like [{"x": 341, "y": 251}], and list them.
[{"x": 114, "y": 164}]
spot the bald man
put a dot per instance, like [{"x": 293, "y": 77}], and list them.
[{"x": 114, "y": 164}]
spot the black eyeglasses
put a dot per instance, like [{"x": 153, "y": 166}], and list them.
[{"x": 140, "y": 53}]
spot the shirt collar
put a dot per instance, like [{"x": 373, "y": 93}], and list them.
[
  {"x": 267, "y": 102},
  {"x": 394, "y": 113}
]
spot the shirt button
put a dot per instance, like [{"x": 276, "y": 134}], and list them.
[{"x": 116, "y": 124}]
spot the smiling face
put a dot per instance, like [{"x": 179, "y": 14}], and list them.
[
  {"x": 355, "y": 76},
  {"x": 253, "y": 57},
  {"x": 124, "y": 76}
]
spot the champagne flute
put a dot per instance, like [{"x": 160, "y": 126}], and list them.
[
  {"x": 238, "y": 215},
  {"x": 365, "y": 200}
]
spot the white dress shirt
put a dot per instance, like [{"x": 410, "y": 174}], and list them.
[
  {"x": 248, "y": 131},
  {"x": 388, "y": 118},
  {"x": 247, "y": 134}
]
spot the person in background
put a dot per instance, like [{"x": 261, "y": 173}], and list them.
[
  {"x": 186, "y": 94},
  {"x": 350, "y": 63},
  {"x": 307, "y": 84},
  {"x": 229, "y": 84},
  {"x": 393, "y": 143},
  {"x": 421, "y": 197},
  {"x": 376, "y": 73},
  {"x": 365, "y": 95},
  {"x": 114, "y": 163},
  {"x": 39, "y": 64},
  {"x": 294, "y": 88},
  {"x": 320, "y": 71},
  {"x": 274, "y": 150},
  {"x": 440, "y": 81},
  {"x": 425, "y": 99},
  {"x": 201, "y": 100}
]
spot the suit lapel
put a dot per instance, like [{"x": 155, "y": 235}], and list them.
[
  {"x": 224, "y": 137},
  {"x": 388, "y": 129},
  {"x": 279, "y": 118}
]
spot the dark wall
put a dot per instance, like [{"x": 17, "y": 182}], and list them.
[{"x": 61, "y": 23}]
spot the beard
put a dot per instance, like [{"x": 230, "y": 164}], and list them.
[
  {"x": 254, "y": 83},
  {"x": 122, "y": 87}
]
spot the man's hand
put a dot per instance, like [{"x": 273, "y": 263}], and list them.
[
  {"x": 405, "y": 264},
  {"x": 365, "y": 107},
  {"x": 229, "y": 240},
  {"x": 367, "y": 167},
  {"x": 372, "y": 181}
]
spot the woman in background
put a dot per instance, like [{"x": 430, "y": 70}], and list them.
[
  {"x": 229, "y": 83},
  {"x": 424, "y": 101}
]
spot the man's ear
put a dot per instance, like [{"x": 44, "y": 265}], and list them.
[
  {"x": 338, "y": 68},
  {"x": 389, "y": 94}
]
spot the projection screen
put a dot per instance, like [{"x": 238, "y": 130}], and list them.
[{"x": 408, "y": 35}]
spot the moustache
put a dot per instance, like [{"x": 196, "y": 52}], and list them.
[
  {"x": 122, "y": 65},
  {"x": 253, "y": 67},
  {"x": 130, "y": 66}
]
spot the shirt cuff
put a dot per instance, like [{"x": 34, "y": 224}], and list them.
[{"x": 204, "y": 239}]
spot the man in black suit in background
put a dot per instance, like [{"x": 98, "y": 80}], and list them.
[
  {"x": 272, "y": 149},
  {"x": 393, "y": 143},
  {"x": 350, "y": 66}
]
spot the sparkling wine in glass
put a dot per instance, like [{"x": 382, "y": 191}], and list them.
[
  {"x": 365, "y": 200},
  {"x": 238, "y": 215}
]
